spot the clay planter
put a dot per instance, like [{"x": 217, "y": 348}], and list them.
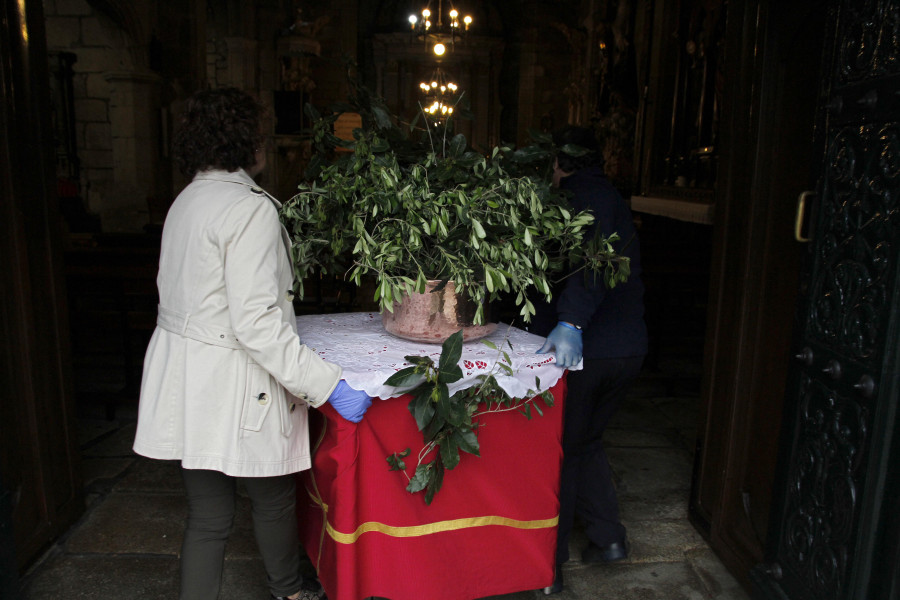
[{"x": 433, "y": 316}]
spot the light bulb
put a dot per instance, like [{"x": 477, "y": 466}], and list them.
[
  {"x": 413, "y": 20},
  {"x": 439, "y": 49},
  {"x": 453, "y": 14},
  {"x": 426, "y": 13}
]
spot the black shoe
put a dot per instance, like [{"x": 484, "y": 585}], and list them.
[
  {"x": 310, "y": 589},
  {"x": 304, "y": 595},
  {"x": 604, "y": 554},
  {"x": 557, "y": 586}
]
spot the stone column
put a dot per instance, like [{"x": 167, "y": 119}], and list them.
[{"x": 134, "y": 114}]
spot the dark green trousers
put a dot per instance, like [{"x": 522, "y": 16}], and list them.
[{"x": 211, "y": 504}]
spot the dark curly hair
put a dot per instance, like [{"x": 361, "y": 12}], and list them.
[
  {"x": 584, "y": 139},
  {"x": 220, "y": 129}
]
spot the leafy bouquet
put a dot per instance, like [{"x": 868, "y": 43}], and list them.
[{"x": 409, "y": 205}]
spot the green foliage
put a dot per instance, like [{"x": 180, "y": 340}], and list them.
[
  {"x": 406, "y": 205},
  {"x": 449, "y": 423}
]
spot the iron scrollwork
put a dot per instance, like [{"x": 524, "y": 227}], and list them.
[
  {"x": 823, "y": 484},
  {"x": 871, "y": 46},
  {"x": 848, "y": 315},
  {"x": 859, "y": 228}
]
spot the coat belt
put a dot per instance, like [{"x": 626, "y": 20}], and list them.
[{"x": 189, "y": 327}]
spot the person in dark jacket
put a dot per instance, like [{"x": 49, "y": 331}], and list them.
[{"x": 604, "y": 326}]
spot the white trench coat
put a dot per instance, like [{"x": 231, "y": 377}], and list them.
[{"x": 226, "y": 381}]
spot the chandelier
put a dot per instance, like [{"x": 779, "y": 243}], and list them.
[
  {"x": 440, "y": 96},
  {"x": 438, "y": 33}
]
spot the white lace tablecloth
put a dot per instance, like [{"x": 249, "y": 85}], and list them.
[{"x": 369, "y": 354}]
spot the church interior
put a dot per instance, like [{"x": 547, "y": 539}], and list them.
[
  {"x": 120, "y": 72},
  {"x": 709, "y": 116}
]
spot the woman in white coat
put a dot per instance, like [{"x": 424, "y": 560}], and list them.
[{"x": 227, "y": 382}]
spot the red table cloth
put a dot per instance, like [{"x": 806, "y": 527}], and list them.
[{"x": 490, "y": 530}]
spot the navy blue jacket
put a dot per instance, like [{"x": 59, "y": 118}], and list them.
[{"x": 612, "y": 319}]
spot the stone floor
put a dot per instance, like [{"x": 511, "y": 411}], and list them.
[{"x": 126, "y": 545}]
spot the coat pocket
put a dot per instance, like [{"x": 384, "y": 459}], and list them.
[{"x": 259, "y": 396}]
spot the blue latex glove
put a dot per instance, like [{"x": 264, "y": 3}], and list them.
[
  {"x": 350, "y": 404},
  {"x": 566, "y": 339}
]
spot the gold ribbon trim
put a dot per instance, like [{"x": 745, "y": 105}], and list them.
[
  {"x": 407, "y": 531},
  {"x": 316, "y": 496},
  {"x": 437, "y": 527}
]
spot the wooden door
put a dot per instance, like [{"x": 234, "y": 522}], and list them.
[
  {"x": 40, "y": 487},
  {"x": 769, "y": 87},
  {"x": 834, "y": 529}
]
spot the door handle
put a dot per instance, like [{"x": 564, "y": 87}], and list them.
[{"x": 801, "y": 215}]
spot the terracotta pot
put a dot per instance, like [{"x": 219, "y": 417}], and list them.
[{"x": 434, "y": 316}]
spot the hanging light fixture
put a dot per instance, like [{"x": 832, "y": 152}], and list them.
[
  {"x": 438, "y": 33},
  {"x": 440, "y": 94}
]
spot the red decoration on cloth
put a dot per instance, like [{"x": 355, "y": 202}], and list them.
[{"x": 490, "y": 530}]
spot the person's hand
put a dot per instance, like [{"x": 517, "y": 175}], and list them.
[
  {"x": 566, "y": 339},
  {"x": 350, "y": 404}
]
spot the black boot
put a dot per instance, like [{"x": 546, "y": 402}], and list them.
[
  {"x": 604, "y": 554},
  {"x": 557, "y": 586}
]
